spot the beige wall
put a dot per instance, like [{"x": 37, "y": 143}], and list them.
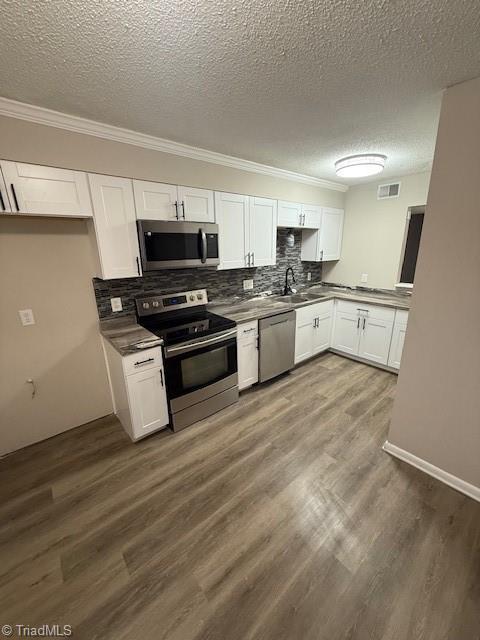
[
  {"x": 437, "y": 409},
  {"x": 29, "y": 142},
  {"x": 46, "y": 265},
  {"x": 373, "y": 233}
]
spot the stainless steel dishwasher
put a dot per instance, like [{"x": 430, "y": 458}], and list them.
[{"x": 276, "y": 344}]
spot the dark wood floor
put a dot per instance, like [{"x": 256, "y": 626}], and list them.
[{"x": 279, "y": 518}]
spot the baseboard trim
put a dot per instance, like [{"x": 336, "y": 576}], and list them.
[
  {"x": 468, "y": 489},
  {"x": 371, "y": 363}
]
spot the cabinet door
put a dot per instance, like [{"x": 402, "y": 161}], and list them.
[
  {"x": 304, "y": 320},
  {"x": 156, "y": 201},
  {"x": 115, "y": 226},
  {"x": 263, "y": 231},
  {"x": 331, "y": 233},
  {"x": 48, "y": 191},
  {"x": 289, "y": 214},
  {"x": 148, "y": 401},
  {"x": 5, "y": 206},
  {"x": 375, "y": 338},
  {"x": 312, "y": 216},
  {"x": 247, "y": 352},
  {"x": 195, "y": 205},
  {"x": 346, "y": 332},
  {"x": 322, "y": 327},
  {"x": 396, "y": 347},
  {"x": 233, "y": 230}
]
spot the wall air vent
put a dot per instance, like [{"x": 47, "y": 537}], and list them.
[{"x": 388, "y": 191}]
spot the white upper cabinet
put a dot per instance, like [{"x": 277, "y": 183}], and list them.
[
  {"x": 5, "y": 206},
  {"x": 39, "y": 190},
  {"x": 156, "y": 201},
  {"x": 195, "y": 205},
  {"x": 331, "y": 233},
  {"x": 294, "y": 215},
  {"x": 326, "y": 243},
  {"x": 232, "y": 213},
  {"x": 311, "y": 216},
  {"x": 289, "y": 214},
  {"x": 263, "y": 231},
  {"x": 115, "y": 226}
]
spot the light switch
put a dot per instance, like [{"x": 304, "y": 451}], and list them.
[
  {"x": 364, "y": 277},
  {"x": 247, "y": 284},
  {"x": 309, "y": 276},
  {"x": 26, "y": 317},
  {"x": 116, "y": 304}
]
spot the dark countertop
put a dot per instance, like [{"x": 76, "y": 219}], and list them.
[
  {"x": 124, "y": 333},
  {"x": 257, "y": 308}
]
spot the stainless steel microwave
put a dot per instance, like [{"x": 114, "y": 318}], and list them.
[{"x": 177, "y": 245}]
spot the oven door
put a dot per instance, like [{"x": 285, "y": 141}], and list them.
[
  {"x": 196, "y": 371},
  {"x": 177, "y": 245}
]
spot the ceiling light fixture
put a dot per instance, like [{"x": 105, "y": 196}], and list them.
[{"x": 359, "y": 166}]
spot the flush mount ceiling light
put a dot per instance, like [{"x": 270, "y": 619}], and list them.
[{"x": 360, "y": 166}]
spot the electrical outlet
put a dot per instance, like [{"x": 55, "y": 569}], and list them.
[
  {"x": 247, "y": 284},
  {"x": 309, "y": 276},
  {"x": 364, "y": 277},
  {"x": 26, "y": 317},
  {"x": 116, "y": 304}
]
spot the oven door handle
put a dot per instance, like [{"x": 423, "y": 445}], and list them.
[
  {"x": 192, "y": 346},
  {"x": 203, "y": 241}
]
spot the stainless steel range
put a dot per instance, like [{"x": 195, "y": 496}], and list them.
[{"x": 200, "y": 350}]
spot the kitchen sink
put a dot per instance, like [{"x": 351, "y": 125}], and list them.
[{"x": 300, "y": 298}]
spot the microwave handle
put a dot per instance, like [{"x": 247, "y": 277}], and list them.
[{"x": 203, "y": 244}]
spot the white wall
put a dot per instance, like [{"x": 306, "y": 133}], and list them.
[
  {"x": 436, "y": 414},
  {"x": 374, "y": 231}
]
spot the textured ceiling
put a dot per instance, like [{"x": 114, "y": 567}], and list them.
[{"x": 291, "y": 83}]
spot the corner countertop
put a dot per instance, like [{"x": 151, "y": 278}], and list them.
[
  {"x": 125, "y": 333},
  {"x": 257, "y": 308}
]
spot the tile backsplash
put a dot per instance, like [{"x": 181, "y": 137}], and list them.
[{"x": 220, "y": 285}]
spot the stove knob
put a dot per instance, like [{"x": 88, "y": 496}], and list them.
[
  {"x": 192, "y": 298},
  {"x": 199, "y": 296},
  {"x": 146, "y": 305},
  {"x": 155, "y": 303}
]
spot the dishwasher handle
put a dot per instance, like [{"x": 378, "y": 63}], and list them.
[{"x": 279, "y": 318}]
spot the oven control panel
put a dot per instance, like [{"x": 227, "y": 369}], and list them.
[{"x": 159, "y": 303}]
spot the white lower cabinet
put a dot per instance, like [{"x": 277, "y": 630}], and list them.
[
  {"x": 138, "y": 388},
  {"x": 313, "y": 329},
  {"x": 363, "y": 330},
  {"x": 398, "y": 339},
  {"x": 247, "y": 354}
]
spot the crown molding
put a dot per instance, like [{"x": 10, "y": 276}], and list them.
[{"x": 40, "y": 115}]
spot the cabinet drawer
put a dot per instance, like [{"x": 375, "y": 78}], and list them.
[
  {"x": 143, "y": 360},
  {"x": 372, "y": 310},
  {"x": 247, "y": 331},
  {"x": 401, "y": 317}
]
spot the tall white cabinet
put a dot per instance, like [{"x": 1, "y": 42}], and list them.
[
  {"x": 247, "y": 230},
  {"x": 115, "y": 226}
]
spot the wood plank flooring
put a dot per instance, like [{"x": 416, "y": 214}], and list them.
[{"x": 279, "y": 518}]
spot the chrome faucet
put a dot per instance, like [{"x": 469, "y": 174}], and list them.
[{"x": 288, "y": 289}]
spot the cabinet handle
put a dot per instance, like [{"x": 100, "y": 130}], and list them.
[
  {"x": 358, "y": 322},
  {"x": 253, "y": 258},
  {"x": 183, "y": 209},
  {"x": 138, "y": 265},
  {"x": 2, "y": 202},
  {"x": 139, "y": 362},
  {"x": 15, "y": 197},
  {"x": 363, "y": 328},
  {"x": 161, "y": 377},
  {"x": 321, "y": 255},
  {"x": 175, "y": 204}
]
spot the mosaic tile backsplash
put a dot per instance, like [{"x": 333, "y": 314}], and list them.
[{"x": 220, "y": 285}]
